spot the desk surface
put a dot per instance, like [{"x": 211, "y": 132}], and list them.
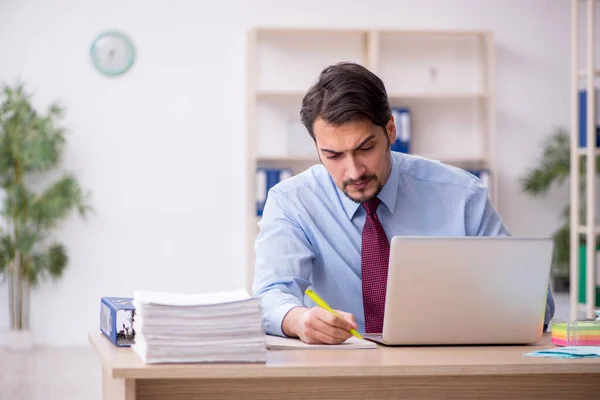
[{"x": 383, "y": 361}]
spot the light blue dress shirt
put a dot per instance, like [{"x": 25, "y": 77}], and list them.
[{"x": 311, "y": 232}]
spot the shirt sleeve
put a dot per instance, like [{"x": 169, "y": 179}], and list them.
[
  {"x": 283, "y": 265},
  {"x": 482, "y": 219}
]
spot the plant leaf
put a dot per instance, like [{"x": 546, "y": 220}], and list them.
[
  {"x": 26, "y": 241},
  {"x": 6, "y": 252},
  {"x": 30, "y": 141},
  {"x": 49, "y": 264},
  {"x": 554, "y": 167},
  {"x": 48, "y": 208}
]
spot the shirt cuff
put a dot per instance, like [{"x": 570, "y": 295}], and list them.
[{"x": 275, "y": 322}]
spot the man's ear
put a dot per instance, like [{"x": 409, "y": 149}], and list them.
[{"x": 391, "y": 130}]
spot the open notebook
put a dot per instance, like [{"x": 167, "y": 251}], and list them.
[{"x": 281, "y": 343}]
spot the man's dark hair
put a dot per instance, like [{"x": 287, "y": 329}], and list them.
[{"x": 346, "y": 92}]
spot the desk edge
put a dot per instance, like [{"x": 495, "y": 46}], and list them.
[
  {"x": 220, "y": 371},
  {"x": 262, "y": 371}
]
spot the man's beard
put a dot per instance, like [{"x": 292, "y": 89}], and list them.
[{"x": 362, "y": 178}]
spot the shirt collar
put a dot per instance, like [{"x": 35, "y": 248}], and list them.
[
  {"x": 387, "y": 195},
  {"x": 389, "y": 192}
]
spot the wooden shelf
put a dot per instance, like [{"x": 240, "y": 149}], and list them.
[
  {"x": 583, "y": 30},
  {"x": 445, "y": 78},
  {"x": 302, "y": 30},
  {"x": 582, "y": 230},
  {"x": 582, "y": 73},
  {"x": 452, "y": 33},
  {"x": 583, "y": 151},
  {"x": 289, "y": 158},
  {"x": 461, "y": 162},
  {"x": 436, "y": 95},
  {"x": 294, "y": 95},
  {"x": 278, "y": 94},
  {"x": 481, "y": 161}
]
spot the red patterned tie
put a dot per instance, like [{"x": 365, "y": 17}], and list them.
[{"x": 375, "y": 259}]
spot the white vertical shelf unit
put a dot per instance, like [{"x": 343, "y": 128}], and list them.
[
  {"x": 590, "y": 229},
  {"x": 445, "y": 78}
]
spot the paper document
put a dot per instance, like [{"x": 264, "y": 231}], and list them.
[
  {"x": 189, "y": 299},
  {"x": 568, "y": 352},
  {"x": 281, "y": 343},
  {"x": 198, "y": 327}
]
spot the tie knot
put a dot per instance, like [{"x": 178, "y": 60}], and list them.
[{"x": 371, "y": 206}]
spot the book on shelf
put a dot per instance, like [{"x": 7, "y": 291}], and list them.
[
  {"x": 583, "y": 118},
  {"x": 198, "y": 328},
  {"x": 266, "y": 178},
  {"x": 403, "y": 129}
]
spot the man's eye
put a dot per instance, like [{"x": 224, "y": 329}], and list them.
[
  {"x": 333, "y": 156},
  {"x": 367, "y": 148}
]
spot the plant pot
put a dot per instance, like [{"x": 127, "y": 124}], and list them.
[{"x": 19, "y": 339}]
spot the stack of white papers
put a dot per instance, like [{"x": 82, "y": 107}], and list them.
[{"x": 192, "y": 328}]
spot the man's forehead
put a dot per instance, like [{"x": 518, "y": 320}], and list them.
[{"x": 343, "y": 137}]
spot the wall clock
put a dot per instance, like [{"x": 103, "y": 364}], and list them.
[{"x": 112, "y": 53}]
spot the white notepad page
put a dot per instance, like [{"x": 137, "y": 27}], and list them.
[{"x": 281, "y": 343}]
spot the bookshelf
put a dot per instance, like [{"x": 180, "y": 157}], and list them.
[
  {"x": 445, "y": 79},
  {"x": 584, "y": 143}
]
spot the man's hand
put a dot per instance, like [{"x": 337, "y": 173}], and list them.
[{"x": 318, "y": 326}]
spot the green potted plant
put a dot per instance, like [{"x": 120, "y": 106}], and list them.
[
  {"x": 554, "y": 169},
  {"x": 37, "y": 197}
]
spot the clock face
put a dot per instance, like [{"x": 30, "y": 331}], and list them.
[{"x": 112, "y": 53}]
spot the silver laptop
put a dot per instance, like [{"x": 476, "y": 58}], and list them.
[{"x": 465, "y": 291}]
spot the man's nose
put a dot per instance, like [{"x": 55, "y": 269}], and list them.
[{"x": 354, "y": 170}]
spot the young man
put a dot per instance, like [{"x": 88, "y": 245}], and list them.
[{"x": 330, "y": 226}]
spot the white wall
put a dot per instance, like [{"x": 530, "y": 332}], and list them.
[{"x": 162, "y": 148}]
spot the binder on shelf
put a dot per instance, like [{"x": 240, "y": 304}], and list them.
[
  {"x": 116, "y": 320},
  {"x": 583, "y": 119},
  {"x": 403, "y": 130},
  {"x": 266, "y": 178}
]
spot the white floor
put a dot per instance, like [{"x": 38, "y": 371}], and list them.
[
  {"x": 74, "y": 373},
  {"x": 50, "y": 374}
]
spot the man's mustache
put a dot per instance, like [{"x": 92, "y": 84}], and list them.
[{"x": 361, "y": 179}]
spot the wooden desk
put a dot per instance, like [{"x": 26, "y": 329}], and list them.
[{"x": 491, "y": 372}]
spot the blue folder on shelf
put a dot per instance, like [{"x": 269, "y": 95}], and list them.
[
  {"x": 266, "y": 178},
  {"x": 403, "y": 130},
  {"x": 583, "y": 119}
]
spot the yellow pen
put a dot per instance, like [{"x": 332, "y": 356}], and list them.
[{"x": 321, "y": 303}]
